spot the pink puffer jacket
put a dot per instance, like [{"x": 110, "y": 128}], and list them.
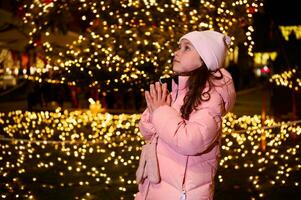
[{"x": 187, "y": 150}]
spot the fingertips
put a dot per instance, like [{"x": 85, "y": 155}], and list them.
[
  {"x": 152, "y": 91},
  {"x": 151, "y": 87},
  {"x": 159, "y": 90},
  {"x": 158, "y": 86},
  {"x": 147, "y": 94}
]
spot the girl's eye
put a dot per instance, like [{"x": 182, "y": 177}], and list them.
[{"x": 186, "y": 47}]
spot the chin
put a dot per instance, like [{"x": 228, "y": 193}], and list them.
[{"x": 175, "y": 70}]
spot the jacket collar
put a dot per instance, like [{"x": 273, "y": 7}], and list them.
[{"x": 179, "y": 82}]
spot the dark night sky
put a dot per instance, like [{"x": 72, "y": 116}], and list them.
[
  {"x": 285, "y": 12},
  {"x": 276, "y": 12}
]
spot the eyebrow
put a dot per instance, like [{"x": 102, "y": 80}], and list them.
[{"x": 185, "y": 42}]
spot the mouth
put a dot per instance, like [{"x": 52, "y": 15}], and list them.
[{"x": 174, "y": 60}]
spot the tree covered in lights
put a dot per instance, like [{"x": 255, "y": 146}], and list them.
[{"x": 127, "y": 42}]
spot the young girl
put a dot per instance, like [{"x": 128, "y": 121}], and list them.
[{"x": 183, "y": 129}]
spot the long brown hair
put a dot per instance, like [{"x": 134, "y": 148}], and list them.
[{"x": 196, "y": 85}]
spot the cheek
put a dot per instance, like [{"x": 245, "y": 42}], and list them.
[
  {"x": 192, "y": 61},
  {"x": 197, "y": 61},
  {"x": 187, "y": 62}
]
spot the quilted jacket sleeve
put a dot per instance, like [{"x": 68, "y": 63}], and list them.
[
  {"x": 146, "y": 127},
  {"x": 187, "y": 137}
]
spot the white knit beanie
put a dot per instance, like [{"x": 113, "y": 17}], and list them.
[{"x": 212, "y": 46}]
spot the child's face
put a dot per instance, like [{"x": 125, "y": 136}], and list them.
[{"x": 186, "y": 58}]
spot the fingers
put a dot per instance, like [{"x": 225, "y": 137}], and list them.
[
  {"x": 169, "y": 99},
  {"x": 157, "y": 96},
  {"x": 148, "y": 100},
  {"x": 153, "y": 92},
  {"x": 164, "y": 92},
  {"x": 159, "y": 91}
]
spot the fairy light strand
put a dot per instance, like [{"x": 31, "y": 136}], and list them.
[
  {"x": 117, "y": 41},
  {"x": 107, "y": 149},
  {"x": 288, "y": 79}
]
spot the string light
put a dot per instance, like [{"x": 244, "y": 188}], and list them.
[
  {"x": 287, "y": 30},
  {"x": 124, "y": 43},
  {"x": 288, "y": 79},
  {"x": 84, "y": 149}
]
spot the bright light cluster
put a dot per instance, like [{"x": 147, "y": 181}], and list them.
[
  {"x": 97, "y": 154},
  {"x": 287, "y": 30},
  {"x": 288, "y": 78},
  {"x": 131, "y": 37},
  {"x": 76, "y": 149},
  {"x": 266, "y": 153}
]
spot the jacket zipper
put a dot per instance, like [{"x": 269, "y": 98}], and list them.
[{"x": 183, "y": 193}]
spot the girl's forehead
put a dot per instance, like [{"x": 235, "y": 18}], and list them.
[{"x": 185, "y": 41}]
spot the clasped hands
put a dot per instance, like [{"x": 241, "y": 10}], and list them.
[{"x": 157, "y": 96}]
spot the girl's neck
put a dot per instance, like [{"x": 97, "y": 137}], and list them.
[{"x": 183, "y": 73}]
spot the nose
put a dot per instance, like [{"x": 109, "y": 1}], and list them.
[{"x": 177, "y": 53}]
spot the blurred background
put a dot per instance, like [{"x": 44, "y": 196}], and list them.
[{"x": 72, "y": 81}]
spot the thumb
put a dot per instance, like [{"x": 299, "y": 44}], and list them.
[{"x": 169, "y": 99}]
